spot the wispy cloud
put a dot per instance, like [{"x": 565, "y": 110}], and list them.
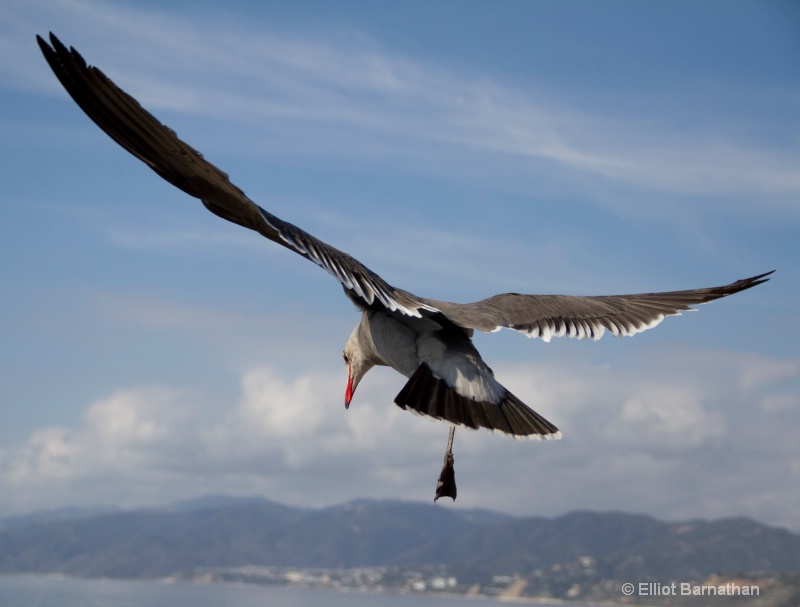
[
  {"x": 350, "y": 96},
  {"x": 184, "y": 238}
]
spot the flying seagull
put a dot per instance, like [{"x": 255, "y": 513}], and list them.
[{"x": 428, "y": 341}]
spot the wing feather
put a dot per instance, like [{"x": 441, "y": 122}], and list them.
[
  {"x": 158, "y": 146},
  {"x": 548, "y": 316}
]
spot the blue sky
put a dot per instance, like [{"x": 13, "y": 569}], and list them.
[{"x": 152, "y": 352}]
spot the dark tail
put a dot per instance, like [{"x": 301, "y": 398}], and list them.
[{"x": 427, "y": 394}]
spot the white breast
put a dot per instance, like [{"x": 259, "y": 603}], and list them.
[{"x": 395, "y": 342}]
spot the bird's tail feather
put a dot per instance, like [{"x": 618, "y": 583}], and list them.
[{"x": 427, "y": 394}]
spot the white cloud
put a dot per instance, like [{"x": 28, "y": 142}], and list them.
[
  {"x": 675, "y": 438},
  {"x": 668, "y": 442},
  {"x": 666, "y": 417},
  {"x": 780, "y": 402},
  {"x": 762, "y": 371}
]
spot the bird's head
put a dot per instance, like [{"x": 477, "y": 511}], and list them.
[{"x": 356, "y": 357}]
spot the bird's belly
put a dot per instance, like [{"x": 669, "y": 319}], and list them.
[
  {"x": 395, "y": 342},
  {"x": 404, "y": 346}
]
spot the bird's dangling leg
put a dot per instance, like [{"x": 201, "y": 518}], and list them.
[{"x": 446, "y": 485}]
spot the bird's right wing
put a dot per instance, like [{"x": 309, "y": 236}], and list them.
[
  {"x": 141, "y": 134},
  {"x": 547, "y": 316}
]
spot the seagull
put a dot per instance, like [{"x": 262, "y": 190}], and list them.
[{"x": 426, "y": 340}]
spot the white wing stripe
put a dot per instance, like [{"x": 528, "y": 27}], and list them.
[
  {"x": 361, "y": 283},
  {"x": 581, "y": 328}
]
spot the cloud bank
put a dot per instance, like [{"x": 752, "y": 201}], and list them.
[{"x": 687, "y": 440}]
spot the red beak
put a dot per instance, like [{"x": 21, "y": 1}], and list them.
[{"x": 348, "y": 395}]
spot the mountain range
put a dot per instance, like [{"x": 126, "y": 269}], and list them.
[{"x": 475, "y": 545}]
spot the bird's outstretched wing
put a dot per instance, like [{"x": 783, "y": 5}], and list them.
[
  {"x": 545, "y": 316},
  {"x": 139, "y": 132},
  {"x": 548, "y": 316}
]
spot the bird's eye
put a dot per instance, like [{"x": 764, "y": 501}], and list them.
[{"x": 346, "y": 360}]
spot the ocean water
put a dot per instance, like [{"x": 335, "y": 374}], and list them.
[{"x": 51, "y": 591}]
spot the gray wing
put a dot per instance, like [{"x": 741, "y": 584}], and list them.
[
  {"x": 140, "y": 133},
  {"x": 548, "y": 316}
]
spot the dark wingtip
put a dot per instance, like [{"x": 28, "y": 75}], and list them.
[
  {"x": 58, "y": 52},
  {"x": 749, "y": 283},
  {"x": 53, "y": 54},
  {"x": 54, "y": 41},
  {"x": 46, "y": 48},
  {"x": 761, "y": 278}
]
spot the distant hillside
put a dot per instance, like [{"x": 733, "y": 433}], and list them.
[
  {"x": 478, "y": 546},
  {"x": 623, "y": 546}
]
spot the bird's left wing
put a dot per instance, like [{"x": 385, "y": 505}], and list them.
[{"x": 141, "y": 134}]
